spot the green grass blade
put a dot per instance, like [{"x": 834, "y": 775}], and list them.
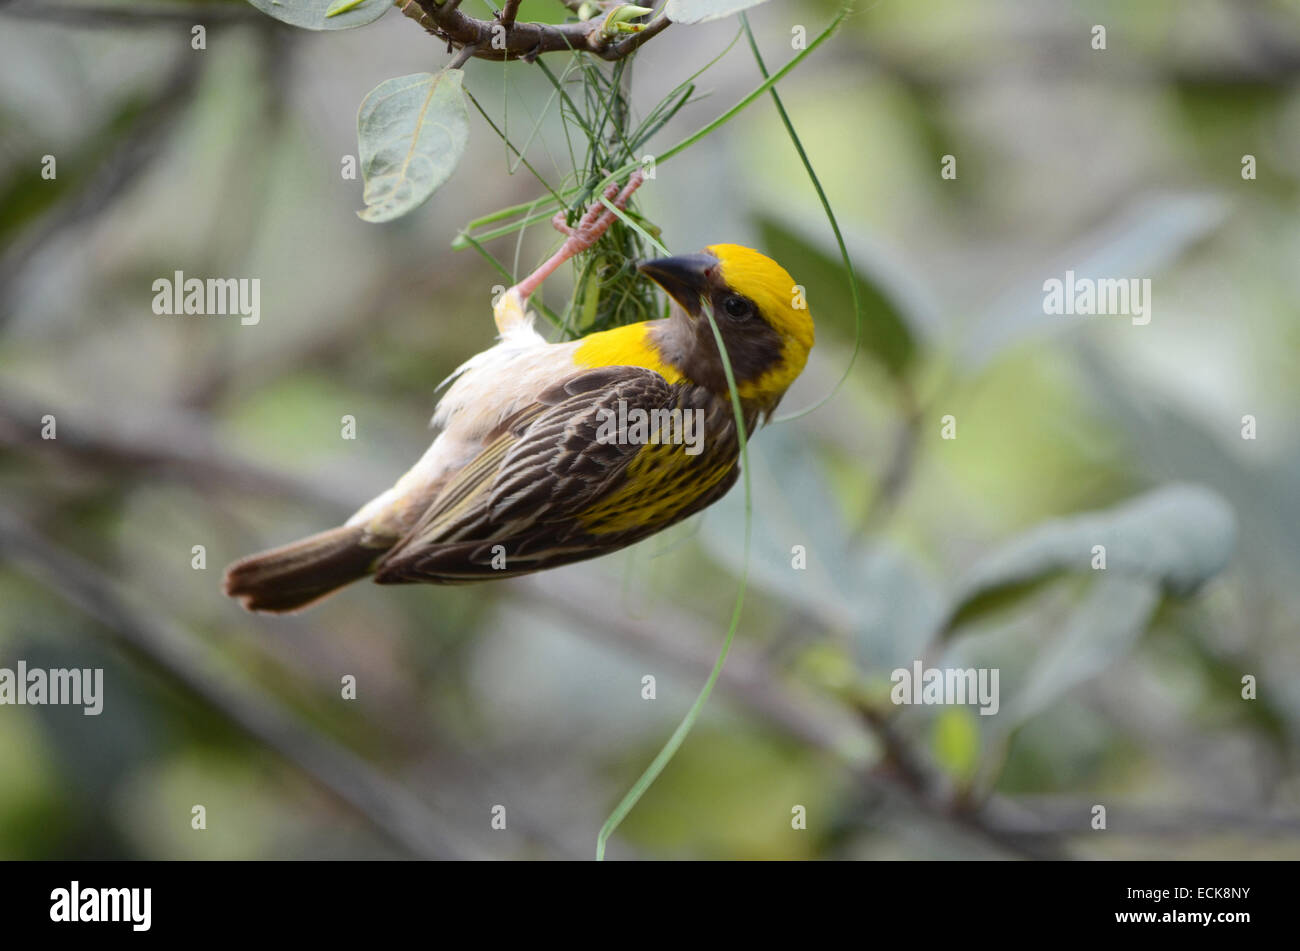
[
  {"x": 763, "y": 87},
  {"x": 634, "y": 225},
  {"x": 684, "y": 728},
  {"x": 511, "y": 146},
  {"x": 503, "y": 213},
  {"x": 491, "y": 259},
  {"x": 461, "y": 241},
  {"x": 734, "y": 111},
  {"x": 835, "y": 227}
]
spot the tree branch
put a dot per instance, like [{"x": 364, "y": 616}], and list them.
[
  {"x": 816, "y": 721},
  {"x": 171, "y": 446},
  {"x": 503, "y": 38},
  {"x": 746, "y": 678},
  {"x": 636, "y": 40},
  {"x": 509, "y": 10}
]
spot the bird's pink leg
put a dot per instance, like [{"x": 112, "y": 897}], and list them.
[{"x": 590, "y": 228}]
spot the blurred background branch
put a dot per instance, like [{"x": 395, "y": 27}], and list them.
[
  {"x": 181, "y": 432},
  {"x": 386, "y": 804}
]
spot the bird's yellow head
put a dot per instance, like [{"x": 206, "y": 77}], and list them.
[{"x": 760, "y": 311}]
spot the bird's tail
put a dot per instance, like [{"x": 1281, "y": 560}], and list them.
[{"x": 293, "y": 576}]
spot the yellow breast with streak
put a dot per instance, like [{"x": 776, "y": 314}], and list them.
[{"x": 661, "y": 481}]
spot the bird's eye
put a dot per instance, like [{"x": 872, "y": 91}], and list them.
[{"x": 737, "y": 307}]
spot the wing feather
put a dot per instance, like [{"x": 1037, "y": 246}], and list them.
[{"x": 525, "y": 491}]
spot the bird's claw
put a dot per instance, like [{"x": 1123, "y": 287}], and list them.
[{"x": 590, "y": 228}]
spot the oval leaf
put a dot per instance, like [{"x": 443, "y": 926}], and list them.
[
  {"x": 314, "y": 14},
  {"x": 802, "y": 553},
  {"x": 1177, "y": 537},
  {"x": 411, "y": 132},
  {"x": 1104, "y": 627},
  {"x": 702, "y": 11}
]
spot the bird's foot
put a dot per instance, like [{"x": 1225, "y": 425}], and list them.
[{"x": 590, "y": 228}]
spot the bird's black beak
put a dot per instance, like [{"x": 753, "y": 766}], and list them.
[{"x": 686, "y": 277}]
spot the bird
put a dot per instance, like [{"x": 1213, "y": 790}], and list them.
[{"x": 535, "y": 463}]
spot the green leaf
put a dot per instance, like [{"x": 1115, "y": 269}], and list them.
[
  {"x": 342, "y": 6},
  {"x": 324, "y": 14},
  {"x": 411, "y": 132},
  {"x": 1164, "y": 438},
  {"x": 955, "y": 741},
  {"x": 878, "y": 595},
  {"x": 1174, "y": 537},
  {"x": 1104, "y": 627},
  {"x": 703, "y": 11},
  {"x": 889, "y": 305}
]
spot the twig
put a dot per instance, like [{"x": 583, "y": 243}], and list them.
[
  {"x": 509, "y": 10},
  {"x": 926, "y": 792},
  {"x": 898, "y": 472},
  {"x": 636, "y": 40},
  {"x": 499, "y": 39},
  {"x": 170, "y": 447},
  {"x": 821, "y": 724},
  {"x": 464, "y": 56},
  {"x": 1054, "y": 817},
  {"x": 746, "y": 678}
]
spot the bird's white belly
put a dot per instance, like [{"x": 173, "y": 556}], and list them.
[{"x": 486, "y": 389}]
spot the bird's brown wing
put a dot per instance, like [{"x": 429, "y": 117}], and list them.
[{"x": 516, "y": 507}]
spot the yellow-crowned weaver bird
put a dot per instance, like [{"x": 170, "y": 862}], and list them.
[{"x": 521, "y": 476}]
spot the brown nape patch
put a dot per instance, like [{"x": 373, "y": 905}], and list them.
[{"x": 688, "y": 344}]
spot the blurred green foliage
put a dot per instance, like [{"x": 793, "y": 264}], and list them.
[{"x": 175, "y": 432}]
